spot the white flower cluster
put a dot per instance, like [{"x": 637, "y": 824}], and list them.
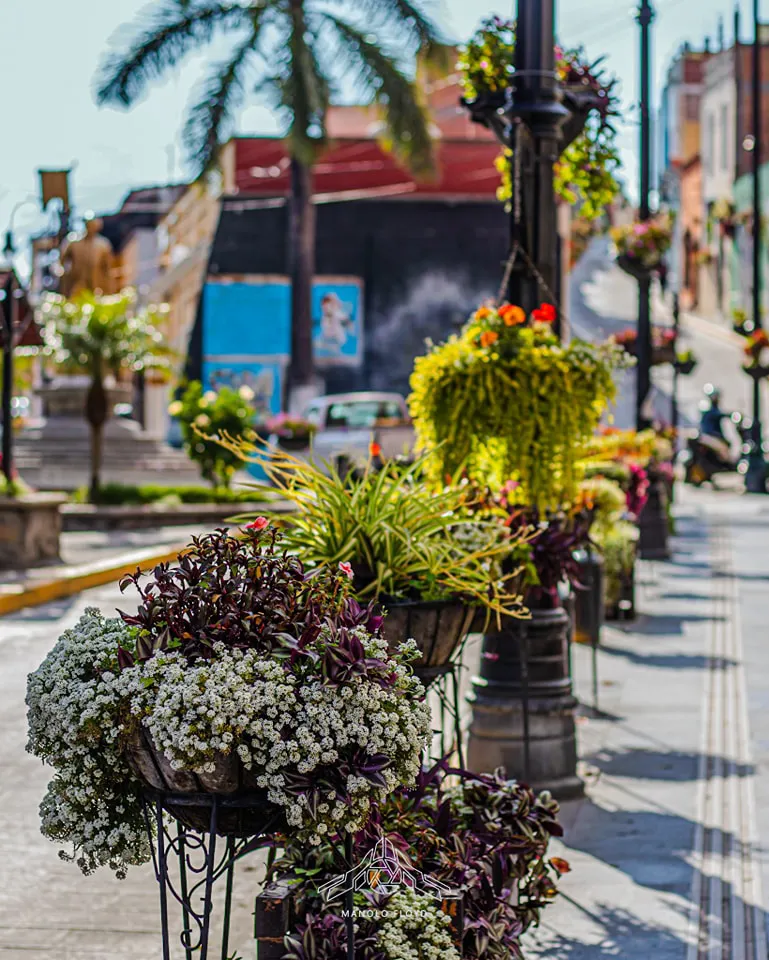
[
  {"x": 279, "y": 725},
  {"x": 92, "y": 802},
  {"x": 282, "y": 725},
  {"x": 415, "y": 929}
]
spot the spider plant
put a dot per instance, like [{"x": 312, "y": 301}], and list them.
[{"x": 402, "y": 540}]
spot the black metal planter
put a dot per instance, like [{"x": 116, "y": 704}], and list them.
[
  {"x": 439, "y": 629},
  {"x": 621, "y": 604},
  {"x": 634, "y": 268},
  {"x": 589, "y": 611},
  {"x": 653, "y": 524},
  {"x": 523, "y": 707}
]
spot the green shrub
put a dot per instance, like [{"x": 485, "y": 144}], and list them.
[
  {"x": 129, "y": 495},
  {"x": 203, "y": 416}
]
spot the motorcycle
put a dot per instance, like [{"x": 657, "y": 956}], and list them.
[{"x": 702, "y": 461}]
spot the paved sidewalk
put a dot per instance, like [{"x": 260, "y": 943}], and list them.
[
  {"x": 664, "y": 846},
  {"x": 667, "y": 848}
]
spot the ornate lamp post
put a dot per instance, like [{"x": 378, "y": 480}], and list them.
[
  {"x": 644, "y": 344},
  {"x": 535, "y": 118},
  {"x": 755, "y": 478},
  {"x": 523, "y": 708}
]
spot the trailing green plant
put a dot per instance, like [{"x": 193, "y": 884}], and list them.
[
  {"x": 401, "y": 539},
  {"x": 203, "y": 414},
  {"x": 585, "y": 173},
  {"x": 504, "y": 399}
]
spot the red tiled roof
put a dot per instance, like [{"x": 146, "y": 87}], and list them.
[{"x": 464, "y": 168}]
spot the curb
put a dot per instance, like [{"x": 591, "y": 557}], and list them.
[{"x": 18, "y": 596}]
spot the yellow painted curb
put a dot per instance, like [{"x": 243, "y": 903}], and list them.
[{"x": 15, "y": 597}]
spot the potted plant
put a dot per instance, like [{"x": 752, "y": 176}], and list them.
[
  {"x": 585, "y": 172},
  {"x": 741, "y": 323},
  {"x": 756, "y": 343},
  {"x": 290, "y": 432},
  {"x": 505, "y": 400},
  {"x": 417, "y": 553},
  {"x": 641, "y": 246},
  {"x": 618, "y": 543},
  {"x": 240, "y": 678},
  {"x": 663, "y": 344},
  {"x": 483, "y": 839},
  {"x": 685, "y": 363}
]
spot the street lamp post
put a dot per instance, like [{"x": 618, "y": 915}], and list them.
[
  {"x": 644, "y": 338},
  {"x": 755, "y": 477}
]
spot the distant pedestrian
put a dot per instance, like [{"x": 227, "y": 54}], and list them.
[{"x": 662, "y": 272}]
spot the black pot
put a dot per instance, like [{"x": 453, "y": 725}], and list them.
[
  {"x": 662, "y": 355},
  {"x": 685, "y": 367},
  {"x": 624, "y": 606},
  {"x": 589, "y": 597},
  {"x": 293, "y": 444},
  {"x": 438, "y": 627},
  {"x": 653, "y": 524},
  {"x": 634, "y": 268},
  {"x": 523, "y": 692},
  {"x": 242, "y": 808},
  {"x": 757, "y": 372}
]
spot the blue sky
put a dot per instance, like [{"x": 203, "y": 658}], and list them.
[{"x": 49, "y": 51}]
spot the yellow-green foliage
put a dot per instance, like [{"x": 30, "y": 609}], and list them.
[{"x": 504, "y": 399}]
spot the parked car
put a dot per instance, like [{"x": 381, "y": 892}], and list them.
[{"x": 351, "y": 427}]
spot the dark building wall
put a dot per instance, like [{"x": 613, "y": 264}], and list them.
[{"x": 425, "y": 266}]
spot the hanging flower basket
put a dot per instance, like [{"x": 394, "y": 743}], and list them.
[
  {"x": 635, "y": 268},
  {"x": 756, "y": 371},
  {"x": 438, "y": 629},
  {"x": 685, "y": 366},
  {"x": 663, "y": 345},
  {"x": 243, "y": 809}
]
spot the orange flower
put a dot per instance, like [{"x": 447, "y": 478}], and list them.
[
  {"x": 512, "y": 316},
  {"x": 545, "y": 313},
  {"x": 482, "y": 313},
  {"x": 488, "y": 337},
  {"x": 562, "y": 866}
]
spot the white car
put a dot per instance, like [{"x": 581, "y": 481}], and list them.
[{"x": 352, "y": 426}]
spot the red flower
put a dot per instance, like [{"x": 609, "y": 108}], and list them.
[
  {"x": 545, "y": 313},
  {"x": 346, "y": 569},
  {"x": 259, "y": 524},
  {"x": 562, "y": 866}
]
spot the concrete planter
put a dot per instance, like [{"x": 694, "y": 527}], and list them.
[
  {"x": 523, "y": 707},
  {"x": 30, "y": 530}
]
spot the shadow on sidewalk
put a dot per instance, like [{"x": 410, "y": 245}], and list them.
[
  {"x": 643, "y": 764},
  {"x": 665, "y": 661},
  {"x": 621, "y": 934}
]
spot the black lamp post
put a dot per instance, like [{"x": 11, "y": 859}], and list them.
[
  {"x": 536, "y": 118},
  {"x": 523, "y": 707},
  {"x": 644, "y": 335},
  {"x": 755, "y": 477}
]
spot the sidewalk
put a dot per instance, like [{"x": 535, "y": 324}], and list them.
[
  {"x": 663, "y": 847},
  {"x": 90, "y": 559}
]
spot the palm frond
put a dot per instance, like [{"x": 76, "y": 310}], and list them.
[
  {"x": 212, "y": 117},
  {"x": 409, "y": 21},
  {"x": 171, "y": 32},
  {"x": 381, "y": 77}
]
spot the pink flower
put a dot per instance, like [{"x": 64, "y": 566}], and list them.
[
  {"x": 346, "y": 569},
  {"x": 257, "y": 525}
]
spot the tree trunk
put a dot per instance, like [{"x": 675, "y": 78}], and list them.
[
  {"x": 302, "y": 270},
  {"x": 96, "y": 413}
]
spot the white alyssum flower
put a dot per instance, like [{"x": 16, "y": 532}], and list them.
[
  {"x": 415, "y": 928},
  {"x": 299, "y": 735},
  {"x": 74, "y": 713}
]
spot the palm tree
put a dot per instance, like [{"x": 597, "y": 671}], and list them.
[{"x": 296, "y": 53}]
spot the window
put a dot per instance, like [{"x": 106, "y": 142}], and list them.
[
  {"x": 710, "y": 151},
  {"x": 364, "y": 414}
]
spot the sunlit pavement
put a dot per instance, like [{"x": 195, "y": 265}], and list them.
[{"x": 668, "y": 846}]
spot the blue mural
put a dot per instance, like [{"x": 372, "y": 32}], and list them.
[{"x": 265, "y": 379}]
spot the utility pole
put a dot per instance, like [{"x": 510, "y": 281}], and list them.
[
  {"x": 644, "y": 337},
  {"x": 10, "y": 310},
  {"x": 755, "y": 478}
]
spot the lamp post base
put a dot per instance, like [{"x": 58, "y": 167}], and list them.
[{"x": 755, "y": 475}]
